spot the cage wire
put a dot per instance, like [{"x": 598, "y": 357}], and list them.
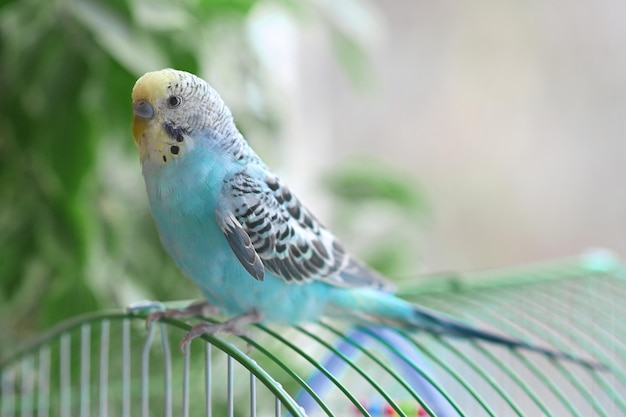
[{"x": 108, "y": 364}]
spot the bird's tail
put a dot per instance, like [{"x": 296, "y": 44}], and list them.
[
  {"x": 440, "y": 324},
  {"x": 385, "y": 308}
]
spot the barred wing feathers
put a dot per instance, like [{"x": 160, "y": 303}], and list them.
[{"x": 288, "y": 239}]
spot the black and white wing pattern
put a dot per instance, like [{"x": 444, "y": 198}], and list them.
[{"x": 286, "y": 237}]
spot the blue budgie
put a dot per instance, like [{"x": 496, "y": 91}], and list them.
[{"x": 243, "y": 237}]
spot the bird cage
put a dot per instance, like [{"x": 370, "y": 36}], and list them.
[{"x": 109, "y": 364}]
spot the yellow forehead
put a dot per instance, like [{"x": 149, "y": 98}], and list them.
[
  {"x": 151, "y": 87},
  {"x": 154, "y": 85}
]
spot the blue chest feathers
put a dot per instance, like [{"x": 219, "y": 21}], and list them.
[{"x": 183, "y": 201}]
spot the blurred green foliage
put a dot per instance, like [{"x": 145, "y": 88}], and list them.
[
  {"x": 75, "y": 234},
  {"x": 383, "y": 208}
]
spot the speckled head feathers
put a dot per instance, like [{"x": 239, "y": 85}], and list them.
[{"x": 168, "y": 104}]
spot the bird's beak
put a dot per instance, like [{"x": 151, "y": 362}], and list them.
[
  {"x": 147, "y": 91},
  {"x": 143, "y": 109},
  {"x": 143, "y": 113}
]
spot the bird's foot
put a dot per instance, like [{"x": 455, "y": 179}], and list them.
[
  {"x": 232, "y": 326},
  {"x": 199, "y": 308}
]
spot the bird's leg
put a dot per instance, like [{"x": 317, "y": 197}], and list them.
[
  {"x": 232, "y": 326},
  {"x": 199, "y": 308}
]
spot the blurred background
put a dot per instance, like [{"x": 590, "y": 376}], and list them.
[{"x": 428, "y": 135}]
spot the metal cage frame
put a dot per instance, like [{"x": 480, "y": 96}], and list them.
[{"x": 108, "y": 364}]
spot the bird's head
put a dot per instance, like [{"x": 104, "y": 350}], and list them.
[{"x": 172, "y": 112}]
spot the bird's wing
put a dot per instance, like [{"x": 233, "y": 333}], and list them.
[
  {"x": 241, "y": 245},
  {"x": 287, "y": 238}
]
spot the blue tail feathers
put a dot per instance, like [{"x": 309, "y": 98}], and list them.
[
  {"x": 376, "y": 307},
  {"x": 438, "y": 323}
]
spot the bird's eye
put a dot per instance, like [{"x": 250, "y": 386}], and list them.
[{"x": 174, "y": 101}]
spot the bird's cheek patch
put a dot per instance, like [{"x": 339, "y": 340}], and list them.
[{"x": 175, "y": 132}]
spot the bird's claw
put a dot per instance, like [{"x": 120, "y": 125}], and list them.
[
  {"x": 232, "y": 326},
  {"x": 200, "y": 308}
]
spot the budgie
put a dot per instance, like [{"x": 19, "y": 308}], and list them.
[{"x": 236, "y": 229}]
